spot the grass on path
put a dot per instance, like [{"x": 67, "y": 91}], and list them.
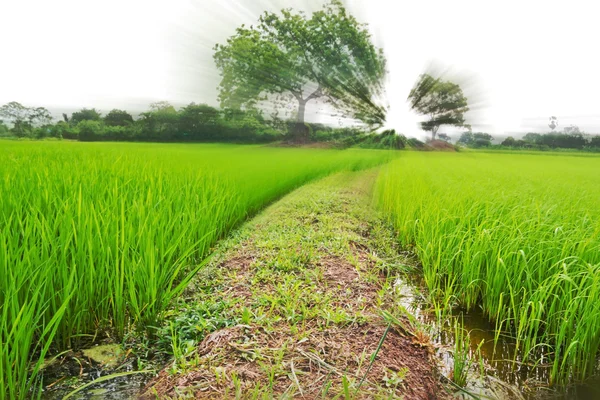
[{"x": 292, "y": 306}]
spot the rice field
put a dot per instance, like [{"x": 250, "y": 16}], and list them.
[
  {"x": 516, "y": 235},
  {"x": 99, "y": 237}
]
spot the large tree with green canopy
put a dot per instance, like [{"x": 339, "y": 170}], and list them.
[
  {"x": 443, "y": 102},
  {"x": 328, "y": 56}
]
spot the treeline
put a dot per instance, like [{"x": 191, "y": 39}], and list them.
[
  {"x": 573, "y": 140},
  {"x": 555, "y": 140},
  {"x": 192, "y": 123},
  {"x": 161, "y": 123}
]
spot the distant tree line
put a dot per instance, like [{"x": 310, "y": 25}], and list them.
[
  {"x": 475, "y": 139},
  {"x": 161, "y": 123},
  {"x": 192, "y": 123},
  {"x": 571, "y": 138}
]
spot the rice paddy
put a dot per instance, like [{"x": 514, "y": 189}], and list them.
[
  {"x": 516, "y": 235},
  {"x": 97, "y": 239},
  {"x": 100, "y": 237}
]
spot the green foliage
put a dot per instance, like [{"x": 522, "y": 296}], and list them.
[
  {"x": 509, "y": 141},
  {"x": 415, "y": 143},
  {"x": 443, "y": 102},
  {"x": 574, "y": 140},
  {"x": 90, "y": 130},
  {"x": 107, "y": 243},
  {"x": 4, "y": 131},
  {"x": 514, "y": 235},
  {"x": 24, "y": 119},
  {"x": 160, "y": 122},
  {"x": 64, "y": 130},
  {"x": 388, "y": 139},
  {"x": 328, "y": 56},
  {"x": 85, "y": 114},
  {"x": 118, "y": 118},
  {"x": 476, "y": 140},
  {"x": 192, "y": 123}
]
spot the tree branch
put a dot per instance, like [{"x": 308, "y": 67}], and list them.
[{"x": 315, "y": 94}]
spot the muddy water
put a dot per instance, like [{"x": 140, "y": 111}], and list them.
[
  {"x": 497, "y": 369},
  {"x": 71, "y": 373}
]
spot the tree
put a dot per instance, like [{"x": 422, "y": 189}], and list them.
[
  {"x": 442, "y": 101},
  {"x": 572, "y": 129},
  {"x": 160, "y": 122},
  {"x": 200, "y": 121},
  {"x": 532, "y": 137},
  {"x": 3, "y": 129},
  {"x": 328, "y": 56},
  {"x": 118, "y": 118},
  {"x": 90, "y": 130},
  {"x": 24, "y": 118},
  {"x": 553, "y": 123},
  {"x": 509, "y": 142},
  {"x": 481, "y": 139},
  {"x": 466, "y": 138},
  {"x": 444, "y": 137},
  {"x": 85, "y": 114}
]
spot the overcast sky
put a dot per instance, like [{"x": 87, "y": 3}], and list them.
[{"x": 521, "y": 61}]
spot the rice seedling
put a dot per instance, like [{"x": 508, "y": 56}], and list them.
[
  {"x": 98, "y": 237},
  {"x": 517, "y": 235}
]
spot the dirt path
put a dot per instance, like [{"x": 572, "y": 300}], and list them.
[{"x": 294, "y": 306}]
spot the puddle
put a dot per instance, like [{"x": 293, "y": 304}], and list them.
[
  {"x": 74, "y": 370},
  {"x": 504, "y": 376}
]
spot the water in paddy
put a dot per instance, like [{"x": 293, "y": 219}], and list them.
[
  {"x": 504, "y": 376},
  {"x": 77, "y": 369}
]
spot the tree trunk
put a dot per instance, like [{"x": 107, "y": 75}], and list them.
[
  {"x": 434, "y": 130},
  {"x": 301, "y": 134}
]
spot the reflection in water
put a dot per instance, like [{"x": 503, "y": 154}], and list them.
[
  {"x": 74, "y": 371},
  {"x": 506, "y": 376}
]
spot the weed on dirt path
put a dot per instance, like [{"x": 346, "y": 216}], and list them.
[{"x": 293, "y": 305}]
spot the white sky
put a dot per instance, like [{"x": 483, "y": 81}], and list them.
[{"x": 526, "y": 59}]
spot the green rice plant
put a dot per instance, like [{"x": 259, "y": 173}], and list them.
[
  {"x": 461, "y": 362},
  {"x": 98, "y": 237},
  {"x": 515, "y": 234}
]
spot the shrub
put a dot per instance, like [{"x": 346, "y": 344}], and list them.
[{"x": 90, "y": 130}]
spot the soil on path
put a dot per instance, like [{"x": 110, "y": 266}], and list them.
[{"x": 301, "y": 302}]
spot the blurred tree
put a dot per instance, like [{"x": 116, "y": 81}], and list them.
[
  {"x": 509, "y": 141},
  {"x": 553, "y": 123},
  {"x": 481, "y": 139},
  {"x": 24, "y": 118},
  {"x": 90, "y": 130},
  {"x": 466, "y": 138},
  {"x": 85, "y": 114},
  {"x": 118, "y": 118},
  {"x": 162, "y": 106},
  {"x": 444, "y": 137},
  {"x": 160, "y": 123},
  {"x": 572, "y": 129},
  {"x": 3, "y": 128},
  {"x": 532, "y": 137},
  {"x": 442, "y": 101},
  {"x": 199, "y": 121},
  {"x": 329, "y": 56}
]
